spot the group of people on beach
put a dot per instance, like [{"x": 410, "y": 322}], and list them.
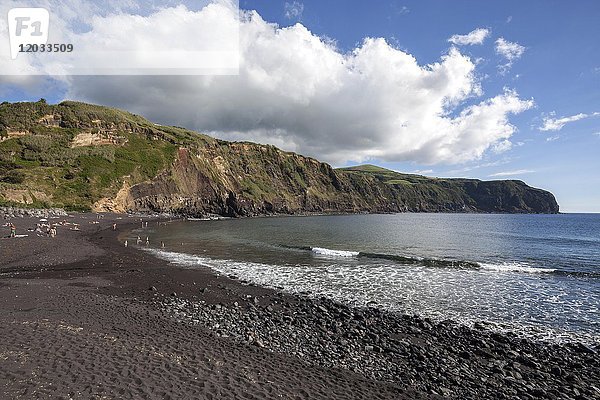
[
  {"x": 50, "y": 230},
  {"x": 139, "y": 241},
  {"x": 41, "y": 229}
]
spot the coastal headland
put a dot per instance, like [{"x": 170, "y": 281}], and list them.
[
  {"x": 83, "y": 316},
  {"x": 84, "y": 157}
]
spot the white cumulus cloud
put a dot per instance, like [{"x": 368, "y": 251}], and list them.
[
  {"x": 511, "y": 51},
  {"x": 422, "y": 171},
  {"x": 556, "y": 124},
  {"x": 293, "y": 10},
  {"x": 298, "y": 91},
  {"x": 512, "y": 173},
  {"x": 474, "y": 37}
]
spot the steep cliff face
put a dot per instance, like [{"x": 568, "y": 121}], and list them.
[
  {"x": 84, "y": 156},
  {"x": 244, "y": 179}
]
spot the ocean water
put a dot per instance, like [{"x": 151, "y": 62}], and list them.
[{"x": 535, "y": 275}]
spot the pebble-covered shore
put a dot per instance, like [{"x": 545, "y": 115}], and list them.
[
  {"x": 14, "y": 212},
  {"x": 444, "y": 358}
]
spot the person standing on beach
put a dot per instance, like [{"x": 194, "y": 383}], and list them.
[
  {"x": 147, "y": 240},
  {"x": 139, "y": 240},
  {"x": 13, "y": 230},
  {"x": 114, "y": 227}
]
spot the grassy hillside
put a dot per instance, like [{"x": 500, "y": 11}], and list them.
[
  {"x": 39, "y": 165},
  {"x": 80, "y": 157},
  {"x": 390, "y": 177},
  {"x": 422, "y": 193}
]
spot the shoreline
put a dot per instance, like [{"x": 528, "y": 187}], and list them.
[
  {"x": 362, "y": 353},
  {"x": 542, "y": 335}
]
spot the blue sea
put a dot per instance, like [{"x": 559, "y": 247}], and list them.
[{"x": 535, "y": 275}]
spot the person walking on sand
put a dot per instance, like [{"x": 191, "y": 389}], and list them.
[
  {"x": 125, "y": 243},
  {"x": 13, "y": 230},
  {"x": 114, "y": 227},
  {"x": 139, "y": 240},
  {"x": 147, "y": 240}
]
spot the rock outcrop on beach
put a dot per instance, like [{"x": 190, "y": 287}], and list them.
[
  {"x": 85, "y": 157},
  {"x": 11, "y": 212}
]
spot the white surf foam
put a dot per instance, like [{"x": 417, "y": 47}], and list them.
[
  {"x": 182, "y": 259},
  {"x": 334, "y": 253},
  {"x": 439, "y": 293},
  {"x": 515, "y": 267}
]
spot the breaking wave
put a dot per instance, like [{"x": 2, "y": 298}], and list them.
[
  {"x": 430, "y": 262},
  {"x": 516, "y": 267},
  {"x": 436, "y": 293},
  {"x": 333, "y": 253}
]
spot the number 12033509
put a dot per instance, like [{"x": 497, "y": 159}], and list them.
[{"x": 46, "y": 48}]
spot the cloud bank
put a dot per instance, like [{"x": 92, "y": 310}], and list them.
[
  {"x": 298, "y": 91},
  {"x": 474, "y": 37},
  {"x": 556, "y": 124}
]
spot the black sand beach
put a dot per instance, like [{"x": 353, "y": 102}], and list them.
[{"x": 84, "y": 317}]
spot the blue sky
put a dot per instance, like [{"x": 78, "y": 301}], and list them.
[
  {"x": 560, "y": 70},
  {"x": 552, "y": 103}
]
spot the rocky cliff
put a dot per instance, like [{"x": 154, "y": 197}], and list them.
[{"x": 80, "y": 156}]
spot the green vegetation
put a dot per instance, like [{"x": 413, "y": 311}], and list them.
[
  {"x": 43, "y": 160},
  {"x": 74, "y": 154},
  {"x": 387, "y": 176},
  {"x": 421, "y": 193}
]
